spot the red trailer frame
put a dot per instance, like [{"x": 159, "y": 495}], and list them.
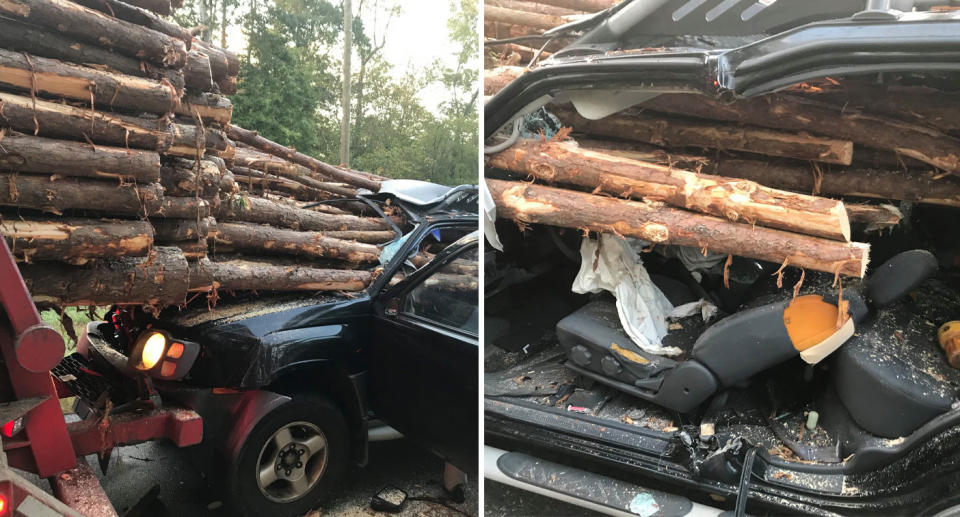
[{"x": 47, "y": 445}]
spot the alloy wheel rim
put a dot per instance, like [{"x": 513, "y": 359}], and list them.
[{"x": 291, "y": 462}]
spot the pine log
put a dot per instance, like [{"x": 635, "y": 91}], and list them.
[
  {"x": 193, "y": 250},
  {"x": 196, "y": 73},
  {"x": 874, "y": 217},
  {"x": 191, "y": 179},
  {"x": 75, "y": 241},
  {"x": 263, "y": 211},
  {"x": 263, "y": 238},
  {"x": 223, "y": 63},
  {"x": 650, "y": 221},
  {"x": 211, "y": 107},
  {"x": 298, "y": 190},
  {"x": 161, "y": 7},
  {"x": 189, "y": 140},
  {"x": 369, "y": 237},
  {"x": 104, "y": 89},
  {"x": 522, "y": 18},
  {"x": 796, "y": 114},
  {"x": 19, "y": 36},
  {"x": 63, "y": 121},
  {"x": 500, "y": 30},
  {"x": 914, "y": 186},
  {"x": 159, "y": 280},
  {"x": 920, "y": 104},
  {"x": 525, "y": 53},
  {"x": 24, "y": 153},
  {"x": 238, "y": 275},
  {"x": 228, "y": 85},
  {"x": 175, "y": 207},
  {"x": 56, "y": 194},
  {"x": 672, "y": 132},
  {"x": 498, "y": 78},
  {"x": 640, "y": 151},
  {"x": 264, "y": 162},
  {"x": 733, "y": 199},
  {"x": 251, "y": 138},
  {"x": 533, "y": 7},
  {"x": 95, "y": 27},
  {"x": 176, "y": 230},
  {"x": 590, "y": 6},
  {"x": 132, "y": 13}
]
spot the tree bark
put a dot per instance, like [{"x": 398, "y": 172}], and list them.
[
  {"x": 917, "y": 187},
  {"x": 258, "y": 210},
  {"x": 211, "y": 107},
  {"x": 193, "y": 250},
  {"x": 159, "y": 280},
  {"x": 535, "y": 204},
  {"x": 135, "y": 14},
  {"x": 258, "y": 237},
  {"x": 19, "y": 36},
  {"x": 103, "y": 89},
  {"x": 641, "y": 152},
  {"x": 184, "y": 179},
  {"x": 522, "y": 18},
  {"x": 266, "y": 163},
  {"x": 369, "y": 237},
  {"x": 590, "y": 6},
  {"x": 292, "y": 188},
  {"x": 227, "y": 85},
  {"x": 498, "y": 78},
  {"x": 258, "y": 276},
  {"x": 64, "y": 121},
  {"x": 730, "y": 198},
  {"x": 24, "y": 153},
  {"x": 189, "y": 141},
  {"x": 196, "y": 73},
  {"x": 667, "y": 132},
  {"x": 525, "y": 53},
  {"x": 874, "y": 217},
  {"x": 223, "y": 63},
  {"x": 176, "y": 230},
  {"x": 161, "y": 7},
  {"x": 252, "y": 139},
  {"x": 100, "y": 29},
  {"x": 922, "y": 105},
  {"x": 533, "y": 7},
  {"x": 76, "y": 241},
  {"x": 174, "y": 207},
  {"x": 795, "y": 114},
  {"x": 58, "y": 194}
]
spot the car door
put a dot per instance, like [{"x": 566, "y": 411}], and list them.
[{"x": 423, "y": 358}]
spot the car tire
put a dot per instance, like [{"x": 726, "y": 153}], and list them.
[{"x": 282, "y": 439}]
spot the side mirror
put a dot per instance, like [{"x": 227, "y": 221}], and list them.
[{"x": 393, "y": 306}]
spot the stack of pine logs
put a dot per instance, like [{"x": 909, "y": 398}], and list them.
[
  {"x": 778, "y": 178},
  {"x": 122, "y": 180},
  {"x": 512, "y": 19}
]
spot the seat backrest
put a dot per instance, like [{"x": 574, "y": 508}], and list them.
[{"x": 899, "y": 275}]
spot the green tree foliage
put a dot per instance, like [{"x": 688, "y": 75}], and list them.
[{"x": 290, "y": 84}]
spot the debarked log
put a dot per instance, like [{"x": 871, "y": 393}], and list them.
[
  {"x": 56, "y": 194},
  {"x": 651, "y": 221},
  {"x": 25, "y": 153},
  {"x": 157, "y": 280},
  {"x": 51, "y": 119},
  {"x": 103, "y": 89},
  {"x": 914, "y": 186},
  {"x": 264, "y": 211},
  {"x": 237, "y": 275},
  {"x": 733, "y": 199},
  {"x": 671, "y": 132},
  {"x": 263, "y": 238},
  {"x": 96, "y": 27},
  {"x": 75, "y": 241}
]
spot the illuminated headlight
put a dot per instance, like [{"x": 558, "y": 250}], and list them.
[{"x": 160, "y": 356}]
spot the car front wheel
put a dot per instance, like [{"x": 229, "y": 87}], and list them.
[{"x": 292, "y": 459}]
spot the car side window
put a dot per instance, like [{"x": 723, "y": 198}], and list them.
[{"x": 449, "y": 296}]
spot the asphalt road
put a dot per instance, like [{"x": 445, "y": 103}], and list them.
[{"x": 186, "y": 488}]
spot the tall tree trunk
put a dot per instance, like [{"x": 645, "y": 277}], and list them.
[{"x": 347, "y": 78}]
